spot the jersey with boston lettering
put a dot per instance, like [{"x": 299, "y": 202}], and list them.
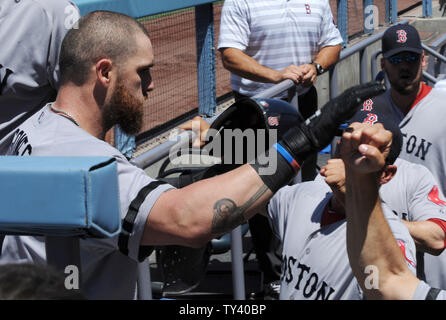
[
  {"x": 425, "y": 292},
  {"x": 424, "y": 142},
  {"x": 424, "y": 135},
  {"x": 32, "y": 32},
  {"x": 315, "y": 263},
  {"x": 107, "y": 272}
]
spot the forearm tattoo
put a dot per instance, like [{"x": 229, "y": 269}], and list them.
[{"x": 228, "y": 216}]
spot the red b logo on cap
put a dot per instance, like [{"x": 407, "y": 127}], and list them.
[{"x": 402, "y": 36}]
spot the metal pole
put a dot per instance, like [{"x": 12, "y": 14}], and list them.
[
  {"x": 369, "y": 17},
  {"x": 374, "y": 64},
  {"x": 204, "y": 22},
  {"x": 363, "y": 72},
  {"x": 144, "y": 281},
  {"x": 391, "y": 11},
  {"x": 427, "y": 8},
  {"x": 160, "y": 151},
  {"x": 333, "y": 78},
  {"x": 293, "y": 97},
  {"x": 343, "y": 20},
  {"x": 238, "y": 277},
  {"x": 429, "y": 77},
  {"x": 275, "y": 90},
  {"x": 434, "y": 53}
]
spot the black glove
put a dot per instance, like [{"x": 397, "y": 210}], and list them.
[{"x": 318, "y": 131}]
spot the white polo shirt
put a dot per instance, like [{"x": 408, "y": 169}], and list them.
[{"x": 276, "y": 34}]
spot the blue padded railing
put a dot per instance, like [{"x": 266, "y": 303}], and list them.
[{"x": 60, "y": 198}]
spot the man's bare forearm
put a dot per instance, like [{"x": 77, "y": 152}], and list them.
[
  {"x": 239, "y": 63},
  {"x": 370, "y": 242},
  {"x": 361, "y": 201},
  {"x": 206, "y": 209},
  {"x": 428, "y": 236},
  {"x": 328, "y": 56},
  {"x": 227, "y": 215}
]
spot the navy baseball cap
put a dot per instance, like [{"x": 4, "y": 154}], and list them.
[
  {"x": 372, "y": 113},
  {"x": 399, "y": 38}
]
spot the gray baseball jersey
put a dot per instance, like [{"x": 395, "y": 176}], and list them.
[
  {"x": 424, "y": 142},
  {"x": 424, "y": 134},
  {"x": 314, "y": 259},
  {"x": 423, "y": 290},
  {"x": 107, "y": 273},
  {"x": 32, "y": 32},
  {"x": 441, "y": 84},
  {"x": 413, "y": 193}
]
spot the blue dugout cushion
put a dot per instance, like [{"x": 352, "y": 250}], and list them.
[
  {"x": 59, "y": 196},
  {"x": 136, "y": 8}
]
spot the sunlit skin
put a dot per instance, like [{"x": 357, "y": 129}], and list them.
[
  {"x": 131, "y": 89},
  {"x": 135, "y": 72}
]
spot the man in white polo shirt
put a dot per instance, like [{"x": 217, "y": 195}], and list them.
[{"x": 264, "y": 42}]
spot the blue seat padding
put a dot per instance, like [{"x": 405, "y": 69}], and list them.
[{"x": 59, "y": 196}]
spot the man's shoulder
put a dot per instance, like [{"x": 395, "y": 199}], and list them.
[
  {"x": 50, "y": 134},
  {"x": 58, "y": 7},
  {"x": 383, "y": 98},
  {"x": 302, "y": 194},
  {"x": 438, "y": 92},
  {"x": 78, "y": 142},
  {"x": 410, "y": 168},
  {"x": 58, "y": 12}
]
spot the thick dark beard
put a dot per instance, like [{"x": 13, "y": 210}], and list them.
[
  {"x": 405, "y": 90},
  {"x": 124, "y": 110}
]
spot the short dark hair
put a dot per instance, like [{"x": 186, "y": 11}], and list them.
[
  {"x": 97, "y": 35},
  {"x": 26, "y": 281}
]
